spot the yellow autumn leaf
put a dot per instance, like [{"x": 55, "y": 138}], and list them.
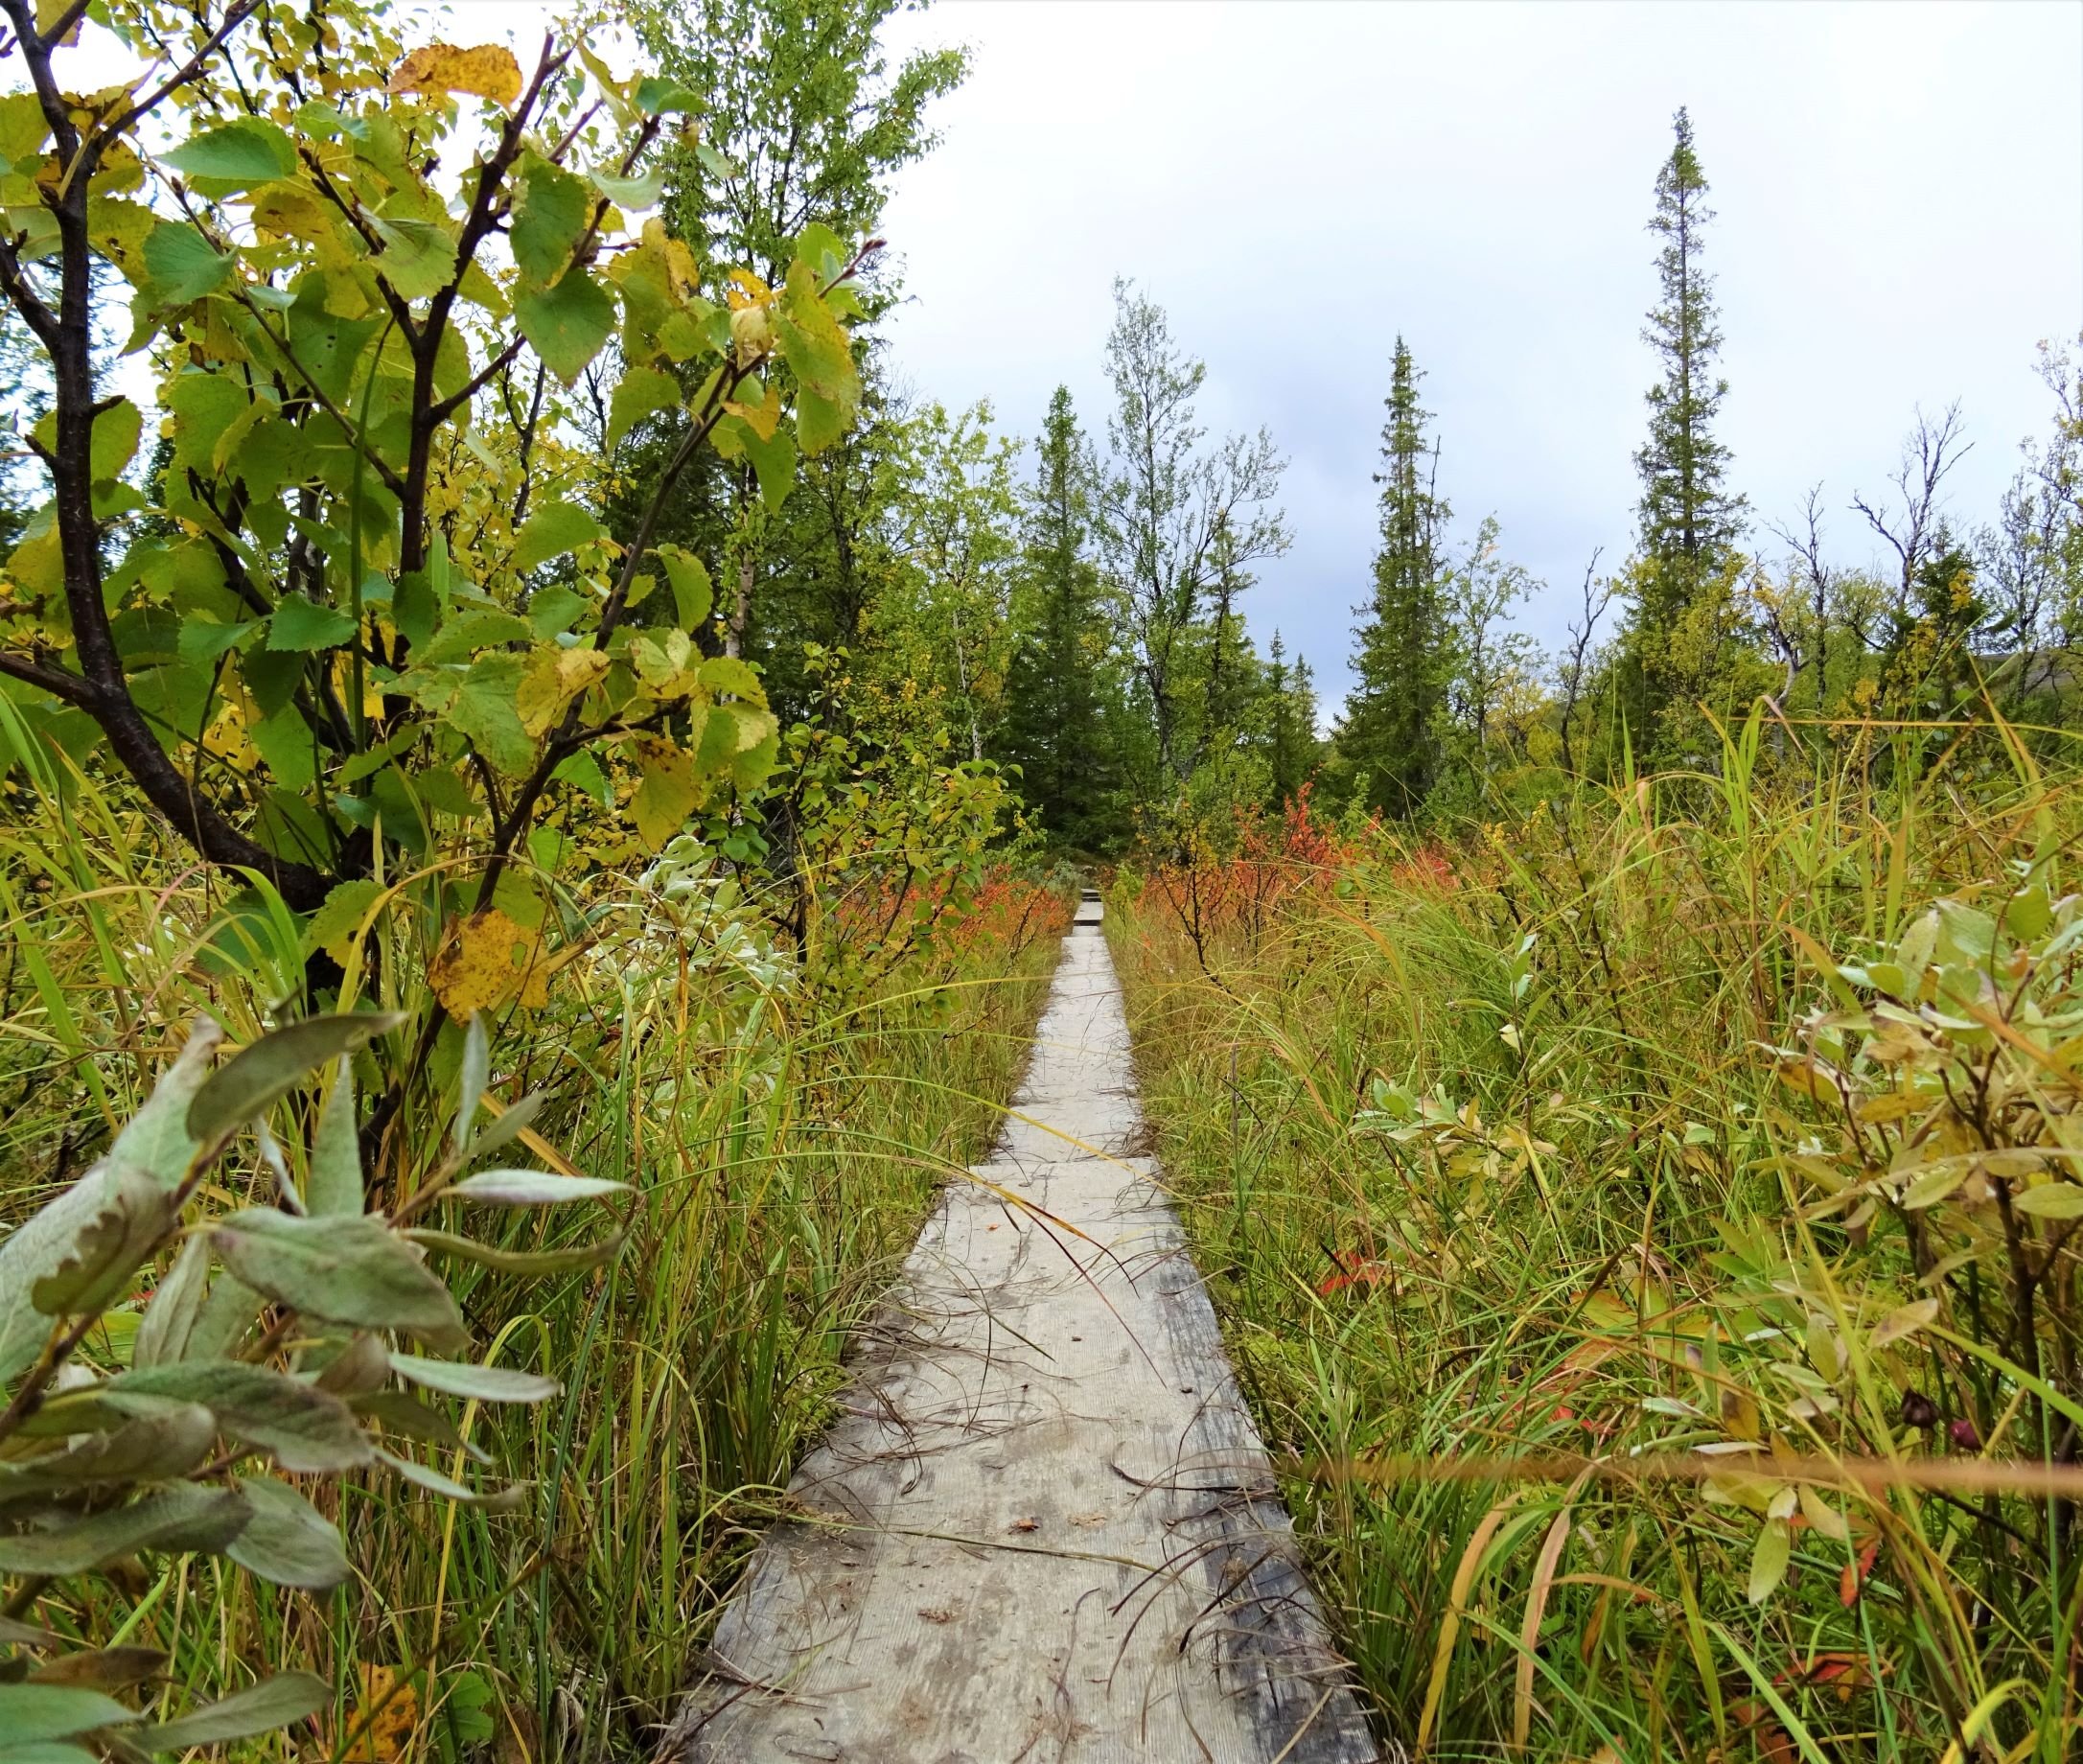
[
  {"x": 535, "y": 981},
  {"x": 487, "y": 71},
  {"x": 669, "y": 792},
  {"x": 680, "y": 269},
  {"x": 755, "y": 404},
  {"x": 481, "y": 961},
  {"x": 746, "y": 290},
  {"x": 554, "y": 678},
  {"x": 385, "y": 1719}
]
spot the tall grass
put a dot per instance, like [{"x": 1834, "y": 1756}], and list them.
[
  {"x": 782, "y": 1142},
  {"x": 1618, "y": 1390}
]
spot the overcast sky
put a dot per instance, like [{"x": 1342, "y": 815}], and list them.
[{"x": 1900, "y": 192}]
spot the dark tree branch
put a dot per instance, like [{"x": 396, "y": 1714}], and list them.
[{"x": 54, "y": 681}]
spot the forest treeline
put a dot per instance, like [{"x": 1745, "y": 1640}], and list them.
[
  {"x": 1073, "y": 606},
  {"x": 1070, "y": 606}
]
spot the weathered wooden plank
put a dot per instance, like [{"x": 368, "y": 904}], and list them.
[{"x": 1043, "y": 1527}]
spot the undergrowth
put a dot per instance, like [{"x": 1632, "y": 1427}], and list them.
[
  {"x": 1643, "y": 1226},
  {"x": 781, "y": 1137}
]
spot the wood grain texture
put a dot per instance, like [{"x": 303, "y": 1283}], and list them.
[{"x": 1044, "y": 1530}]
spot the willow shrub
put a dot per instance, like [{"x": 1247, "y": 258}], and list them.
[{"x": 1647, "y": 1226}]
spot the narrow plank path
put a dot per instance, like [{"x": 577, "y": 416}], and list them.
[{"x": 1044, "y": 1530}]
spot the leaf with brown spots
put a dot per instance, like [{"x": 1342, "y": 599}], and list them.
[
  {"x": 386, "y": 1718},
  {"x": 482, "y": 959},
  {"x": 487, "y": 71}
]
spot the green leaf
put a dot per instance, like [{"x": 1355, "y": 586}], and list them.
[
  {"x": 528, "y": 1262},
  {"x": 345, "y": 1271},
  {"x": 23, "y": 131},
  {"x": 476, "y": 1074},
  {"x": 33, "y": 1713},
  {"x": 554, "y": 609},
  {"x": 1769, "y": 1560},
  {"x": 162, "y": 1336},
  {"x": 435, "y": 1483},
  {"x": 411, "y": 1419},
  {"x": 286, "y": 1540},
  {"x": 300, "y": 625},
  {"x": 115, "y": 438},
  {"x": 46, "y": 1752},
  {"x": 668, "y": 792},
  {"x": 819, "y": 421},
  {"x": 693, "y": 597},
  {"x": 480, "y": 1384},
  {"x": 551, "y": 531},
  {"x": 168, "y": 1442},
  {"x": 327, "y": 347},
  {"x": 307, "y": 1429},
  {"x": 135, "y": 1213},
  {"x": 729, "y": 674},
  {"x": 1935, "y": 1183},
  {"x": 642, "y": 392},
  {"x": 733, "y": 729},
  {"x": 183, "y": 265},
  {"x": 332, "y": 928},
  {"x": 533, "y": 1188},
  {"x": 634, "y": 194},
  {"x": 184, "y": 1517},
  {"x": 656, "y": 97},
  {"x": 1966, "y": 935},
  {"x": 813, "y": 341},
  {"x": 753, "y": 764},
  {"x": 468, "y": 634},
  {"x": 567, "y": 324},
  {"x": 773, "y": 462},
  {"x": 250, "y": 1081},
  {"x": 2050, "y": 1200},
  {"x": 260, "y": 1709},
  {"x": 203, "y": 643},
  {"x": 283, "y": 741},
  {"x": 332, "y": 1185},
  {"x": 821, "y": 250},
  {"x": 236, "y": 156},
  {"x": 485, "y": 710},
  {"x": 506, "y": 1128},
  {"x": 227, "y": 1315},
  {"x": 156, "y": 1142},
  {"x": 418, "y": 258},
  {"x": 582, "y": 773},
  {"x": 548, "y": 219},
  {"x": 468, "y": 1706}
]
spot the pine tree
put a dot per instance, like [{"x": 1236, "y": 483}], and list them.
[
  {"x": 1388, "y": 732},
  {"x": 1690, "y": 520},
  {"x": 1062, "y": 690}
]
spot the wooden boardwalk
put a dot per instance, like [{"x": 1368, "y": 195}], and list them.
[{"x": 1044, "y": 1530}]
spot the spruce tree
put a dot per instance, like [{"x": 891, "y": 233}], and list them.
[
  {"x": 1690, "y": 519},
  {"x": 1388, "y": 732},
  {"x": 1062, "y": 690},
  {"x": 1292, "y": 744}
]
